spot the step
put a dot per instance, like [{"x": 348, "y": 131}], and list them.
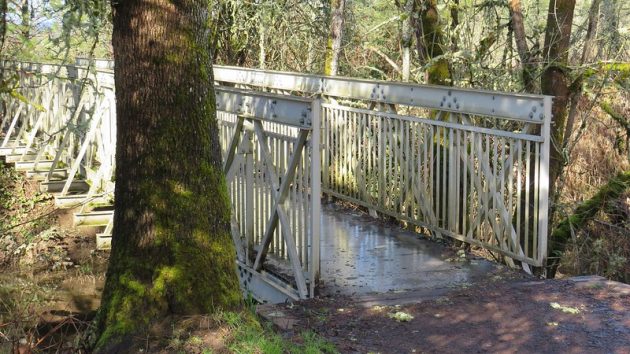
[
  {"x": 19, "y": 157},
  {"x": 15, "y": 150},
  {"x": 93, "y": 218},
  {"x": 30, "y": 165},
  {"x": 12, "y": 142},
  {"x": 56, "y": 186},
  {"x": 103, "y": 241},
  {"x": 73, "y": 200},
  {"x": 40, "y": 174}
]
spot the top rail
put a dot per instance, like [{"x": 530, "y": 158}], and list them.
[
  {"x": 289, "y": 110},
  {"x": 103, "y": 78},
  {"x": 521, "y": 107}
]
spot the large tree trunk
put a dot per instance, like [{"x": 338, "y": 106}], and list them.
[
  {"x": 430, "y": 40},
  {"x": 555, "y": 82},
  {"x": 555, "y": 78},
  {"x": 333, "y": 47},
  {"x": 171, "y": 249}
]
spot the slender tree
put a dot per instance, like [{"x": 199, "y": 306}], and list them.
[
  {"x": 528, "y": 67},
  {"x": 333, "y": 48},
  {"x": 172, "y": 253},
  {"x": 406, "y": 37},
  {"x": 26, "y": 19},
  {"x": 3, "y": 23}
]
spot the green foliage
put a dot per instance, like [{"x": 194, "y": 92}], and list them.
[
  {"x": 57, "y": 30},
  {"x": 606, "y": 250},
  {"x": 251, "y": 337}
]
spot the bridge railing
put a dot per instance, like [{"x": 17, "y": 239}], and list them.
[
  {"x": 60, "y": 122},
  {"x": 69, "y": 113},
  {"x": 469, "y": 164}
]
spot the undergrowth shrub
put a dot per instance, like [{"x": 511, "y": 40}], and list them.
[{"x": 603, "y": 246}]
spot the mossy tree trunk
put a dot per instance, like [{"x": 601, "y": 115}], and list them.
[
  {"x": 555, "y": 78},
  {"x": 406, "y": 37},
  {"x": 555, "y": 82},
  {"x": 333, "y": 47},
  {"x": 172, "y": 253},
  {"x": 430, "y": 42}
]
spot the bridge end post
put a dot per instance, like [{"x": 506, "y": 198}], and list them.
[{"x": 316, "y": 177}]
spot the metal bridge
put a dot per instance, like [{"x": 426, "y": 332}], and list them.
[{"x": 467, "y": 164}]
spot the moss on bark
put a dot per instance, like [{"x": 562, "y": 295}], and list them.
[
  {"x": 584, "y": 213},
  {"x": 430, "y": 33},
  {"x": 172, "y": 252}
]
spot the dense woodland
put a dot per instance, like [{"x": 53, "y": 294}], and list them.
[{"x": 576, "y": 51}]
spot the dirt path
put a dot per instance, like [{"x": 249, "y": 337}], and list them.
[{"x": 579, "y": 315}]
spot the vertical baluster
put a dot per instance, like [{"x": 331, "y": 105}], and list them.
[
  {"x": 534, "y": 252},
  {"x": 527, "y": 193}
]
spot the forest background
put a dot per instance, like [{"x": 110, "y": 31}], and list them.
[{"x": 483, "y": 44}]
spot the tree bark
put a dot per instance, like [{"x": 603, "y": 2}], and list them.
[
  {"x": 4, "y": 8},
  {"x": 528, "y": 71},
  {"x": 430, "y": 40},
  {"x": 333, "y": 47},
  {"x": 25, "y": 25},
  {"x": 172, "y": 251},
  {"x": 555, "y": 78},
  {"x": 407, "y": 39},
  {"x": 555, "y": 82}
]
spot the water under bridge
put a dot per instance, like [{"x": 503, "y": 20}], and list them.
[{"x": 448, "y": 163}]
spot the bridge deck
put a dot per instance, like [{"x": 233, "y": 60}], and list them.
[{"x": 361, "y": 255}]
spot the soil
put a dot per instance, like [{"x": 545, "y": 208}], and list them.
[
  {"x": 51, "y": 276},
  {"x": 577, "y": 315}
]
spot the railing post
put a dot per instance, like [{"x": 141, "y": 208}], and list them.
[
  {"x": 249, "y": 199},
  {"x": 543, "y": 204},
  {"x": 316, "y": 176}
]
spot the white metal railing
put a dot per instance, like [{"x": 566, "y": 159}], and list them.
[
  {"x": 269, "y": 147},
  {"x": 65, "y": 122},
  {"x": 464, "y": 163},
  {"x": 67, "y": 119},
  {"x": 469, "y": 164}
]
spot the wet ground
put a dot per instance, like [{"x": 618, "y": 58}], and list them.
[
  {"x": 362, "y": 255},
  {"x": 388, "y": 290}
]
